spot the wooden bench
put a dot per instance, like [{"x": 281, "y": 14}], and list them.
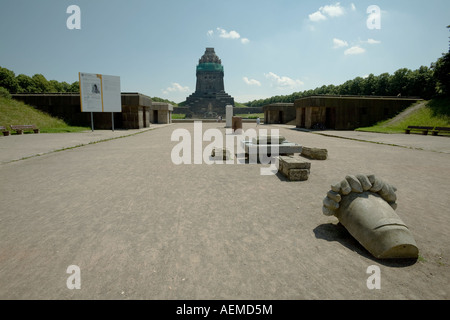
[
  {"x": 418, "y": 128},
  {"x": 438, "y": 130},
  {"x": 21, "y": 128},
  {"x": 4, "y": 130}
]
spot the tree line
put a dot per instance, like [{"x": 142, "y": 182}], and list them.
[
  {"x": 425, "y": 82},
  {"x": 35, "y": 84}
]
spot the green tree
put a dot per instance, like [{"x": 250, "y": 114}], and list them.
[
  {"x": 422, "y": 83},
  {"x": 75, "y": 87},
  {"x": 368, "y": 86},
  {"x": 331, "y": 89},
  {"x": 399, "y": 82},
  {"x": 8, "y": 80},
  {"x": 55, "y": 86},
  {"x": 356, "y": 86},
  {"x": 26, "y": 84},
  {"x": 382, "y": 84},
  {"x": 346, "y": 87},
  {"x": 41, "y": 84},
  {"x": 65, "y": 87},
  {"x": 4, "y": 93},
  {"x": 441, "y": 74}
]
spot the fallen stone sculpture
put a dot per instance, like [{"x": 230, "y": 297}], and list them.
[
  {"x": 315, "y": 153},
  {"x": 365, "y": 206}
]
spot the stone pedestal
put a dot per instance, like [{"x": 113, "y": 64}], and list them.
[{"x": 229, "y": 116}]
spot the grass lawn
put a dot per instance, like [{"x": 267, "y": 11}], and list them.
[
  {"x": 436, "y": 113},
  {"x": 18, "y": 113}
]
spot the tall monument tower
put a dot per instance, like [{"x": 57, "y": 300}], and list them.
[{"x": 209, "y": 99}]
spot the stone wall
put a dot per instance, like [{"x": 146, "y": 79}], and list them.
[
  {"x": 67, "y": 106},
  {"x": 279, "y": 113},
  {"x": 347, "y": 112}
]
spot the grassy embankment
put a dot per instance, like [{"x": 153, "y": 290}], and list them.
[
  {"x": 434, "y": 113},
  {"x": 13, "y": 112}
]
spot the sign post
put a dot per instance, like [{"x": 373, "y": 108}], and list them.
[{"x": 100, "y": 93}]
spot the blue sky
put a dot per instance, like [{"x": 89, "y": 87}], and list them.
[{"x": 267, "y": 47}]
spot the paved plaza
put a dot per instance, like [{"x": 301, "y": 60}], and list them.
[{"x": 140, "y": 227}]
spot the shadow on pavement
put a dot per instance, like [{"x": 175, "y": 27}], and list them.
[{"x": 337, "y": 232}]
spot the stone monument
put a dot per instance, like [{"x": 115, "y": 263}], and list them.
[
  {"x": 229, "y": 116},
  {"x": 209, "y": 97},
  {"x": 365, "y": 206}
]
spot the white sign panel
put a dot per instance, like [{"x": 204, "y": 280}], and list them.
[
  {"x": 100, "y": 93},
  {"x": 112, "y": 98}
]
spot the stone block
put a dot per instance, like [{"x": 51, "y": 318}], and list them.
[
  {"x": 298, "y": 174},
  {"x": 314, "y": 153},
  {"x": 293, "y": 168}
]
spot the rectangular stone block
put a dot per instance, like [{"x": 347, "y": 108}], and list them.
[
  {"x": 298, "y": 174},
  {"x": 315, "y": 153},
  {"x": 293, "y": 168},
  {"x": 291, "y": 162}
]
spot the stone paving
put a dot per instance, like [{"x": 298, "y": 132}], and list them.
[{"x": 140, "y": 227}]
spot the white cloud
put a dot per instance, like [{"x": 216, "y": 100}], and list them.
[
  {"x": 372, "y": 41},
  {"x": 251, "y": 82},
  {"x": 353, "y": 7},
  {"x": 176, "y": 87},
  {"x": 317, "y": 16},
  {"x": 283, "y": 82},
  {"x": 333, "y": 10},
  {"x": 337, "y": 43},
  {"x": 354, "y": 50},
  {"x": 228, "y": 35}
]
